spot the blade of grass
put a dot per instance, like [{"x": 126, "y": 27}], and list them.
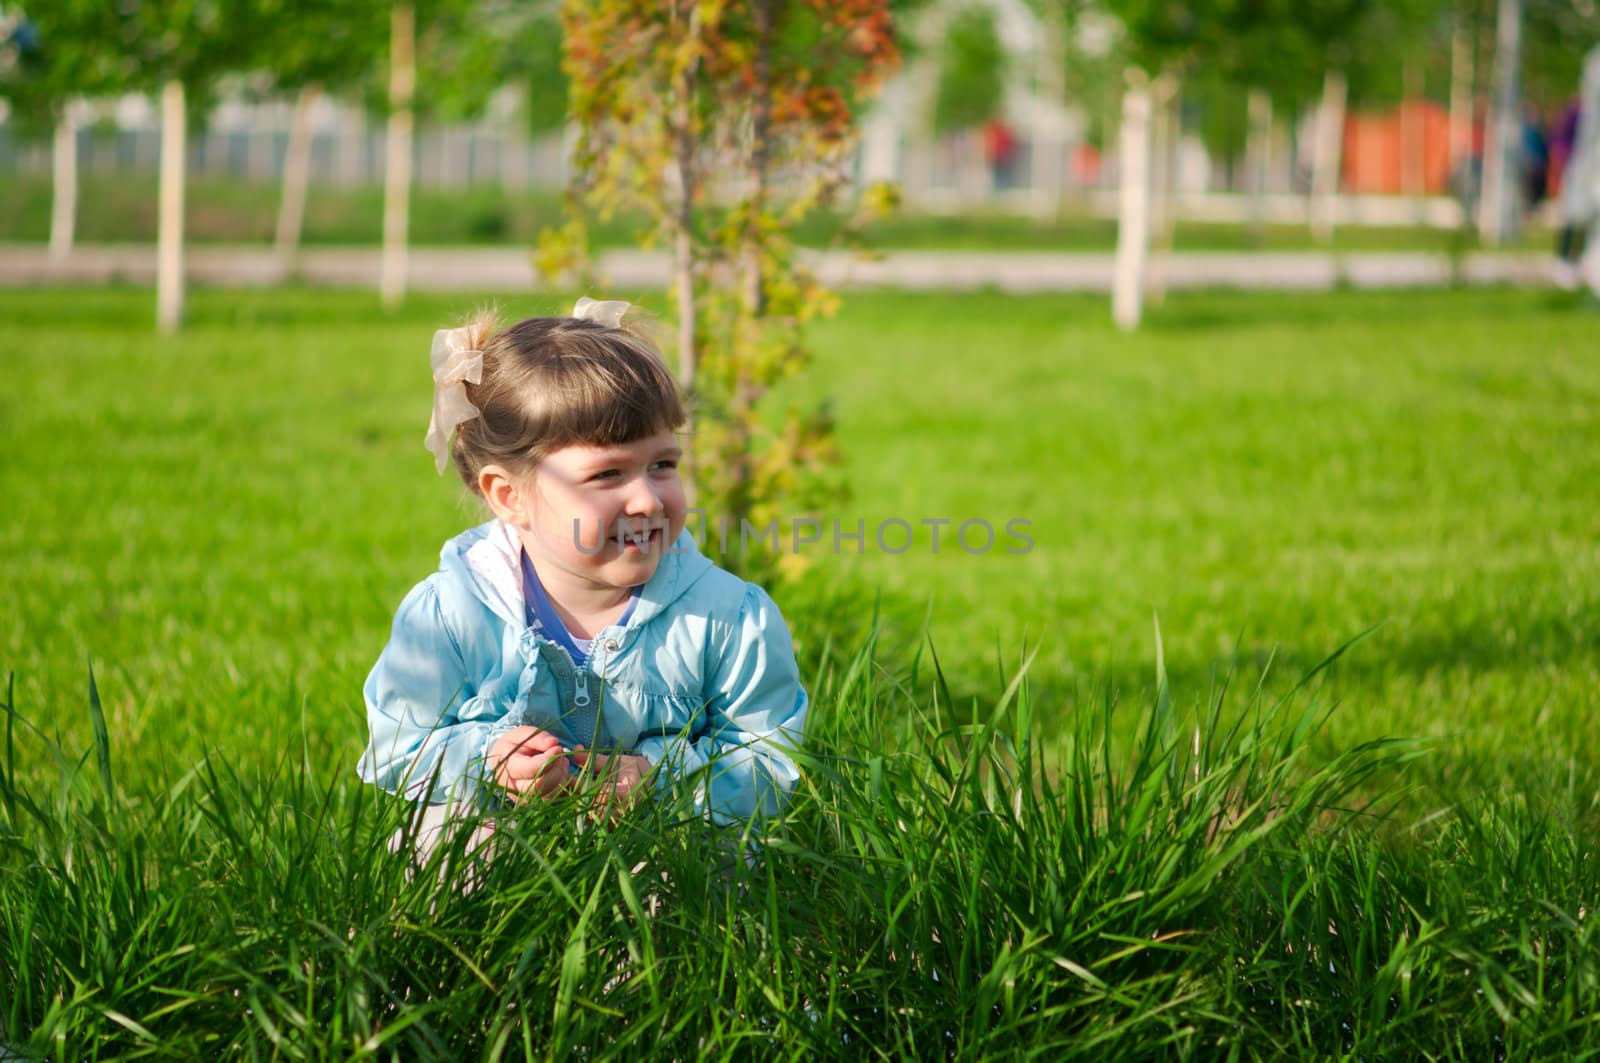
[{"x": 102, "y": 738}]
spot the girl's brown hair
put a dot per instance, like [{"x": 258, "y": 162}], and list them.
[{"x": 551, "y": 382}]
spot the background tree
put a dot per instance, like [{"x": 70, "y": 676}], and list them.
[
  {"x": 971, "y": 89},
  {"x": 1085, "y": 65},
  {"x": 1557, "y": 34},
  {"x": 1263, "y": 64},
  {"x": 60, "y": 54},
  {"x": 178, "y": 50},
  {"x": 1276, "y": 47},
  {"x": 689, "y": 111},
  {"x": 462, "y": 51},
  {"x": 402, "y": 83},
  {"x": 309, "y": 48},
  {"x": 1158, "y": 40},
  {"x": 1550, "y": 39},
  {"x": 1362, "y": 50},
  {"x": 1500, "y": 207}
]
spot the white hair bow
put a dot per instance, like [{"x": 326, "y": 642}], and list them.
[
  {"x": 607, "y": 312},
  {"x": 454, "y": 361}
]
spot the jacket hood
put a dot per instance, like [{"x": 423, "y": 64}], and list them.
[{"x": 487, "y": 560}]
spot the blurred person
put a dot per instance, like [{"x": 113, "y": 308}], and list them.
[
  {"x": 1535, "y": 159},
  {"x": 1563, "y": 132},
  {"x": 1000, "y": 151},
  {"x": 580, "y": 635},
  {"x": 1578, "y": 243}
]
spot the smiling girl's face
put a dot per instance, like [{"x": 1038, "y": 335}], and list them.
[{"x": 602, "y": 517}]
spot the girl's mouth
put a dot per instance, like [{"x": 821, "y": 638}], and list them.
[{"x": 639, "y": 542}]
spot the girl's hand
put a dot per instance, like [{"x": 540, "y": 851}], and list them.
[
  {"x": 527, "y": 760},
  {"x": 623, "y": 779}
]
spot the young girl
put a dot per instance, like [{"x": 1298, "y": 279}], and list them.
[{"x": 580, "y": 630}]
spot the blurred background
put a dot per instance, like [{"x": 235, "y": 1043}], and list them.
[{"x": 1003, "y": 120}]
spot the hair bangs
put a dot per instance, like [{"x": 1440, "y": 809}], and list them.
[
  {"x": 555, "y": 382},
  {"x": 606, "y": 403}
]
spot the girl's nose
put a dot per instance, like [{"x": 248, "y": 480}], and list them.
[{"x": 644, "y": 500}]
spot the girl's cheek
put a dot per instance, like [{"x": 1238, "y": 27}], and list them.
[{"x": 587, "y": 531}]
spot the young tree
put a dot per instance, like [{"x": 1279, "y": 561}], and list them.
[
  {"x": 178, "y": 51},
  {"x": 1133, "y": 205},
  {"x": 181, "y": 50},
  {"x": 971, "y": 88},
  {"x": 971, "y": 72},
  {"x": 1529, "y": 54},
  {"x": 727, "y": 122},
  {"x": 61, "y": 54},
  {"x": 462, "y": 51},
  {"x": 1159, "y": 42},
  {"x": 1273, "y": 67},
  {"x": 309, "y": 48},
  {"x": 1360, "y": 48},
  {"x": 1500, "y": 207},
  {"x": 397, "y": 154},
  {"x": 1280, "y": 46}
]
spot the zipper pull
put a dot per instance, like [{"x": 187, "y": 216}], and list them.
[{"x": 581, "y": 698}]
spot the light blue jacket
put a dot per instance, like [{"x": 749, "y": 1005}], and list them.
[{"x": 701, "y": 681}]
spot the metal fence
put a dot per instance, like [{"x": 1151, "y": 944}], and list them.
[
  {"x": 247, "y": 141},
  {"x": 444, "y": 157}
]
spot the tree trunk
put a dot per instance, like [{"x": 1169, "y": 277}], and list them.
[
  {"x": 1165, "y": 133},
  {"x": 397, "y": 163},
  {"x": 1461, "y": 77},
  {"x": 922, "y": 77},
  {"x": 755, "y": 295},
  {"x": 169, "y": 232},
  {"x": 1258, "y": 154},
  {"x": 64, "y": 171},
  {"x": 683, "y": 246},
  {"x": 1412, "y": 154},
  {"x": 1329, "y": 155},
  {"x": 1133, "y": 213},
  {"x": 882, "y": 157},
  {"x": 1500, "y": 214},
  {"x": 1049, "y": 139},
  {"x": 736, "y": 452},
  {"x": 296, "y": 172}
]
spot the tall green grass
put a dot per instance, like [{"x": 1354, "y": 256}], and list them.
[
  {"x": 939, "y": 888},
  {"x": 1231, "y": 860}
]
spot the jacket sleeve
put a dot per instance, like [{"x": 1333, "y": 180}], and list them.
[
  {"x": 739, "y": 762},
  {"x": 429, "y": 730}
]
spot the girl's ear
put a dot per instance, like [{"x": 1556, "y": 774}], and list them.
[{"x": 504, "y": 494}]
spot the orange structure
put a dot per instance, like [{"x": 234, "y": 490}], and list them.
[{"x": 1405, "y": 151}]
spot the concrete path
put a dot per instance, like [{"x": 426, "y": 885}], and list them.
[{"x": 456, "y": 269}]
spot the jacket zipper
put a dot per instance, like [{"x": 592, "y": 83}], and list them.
[{"x": 598, "y": 648}]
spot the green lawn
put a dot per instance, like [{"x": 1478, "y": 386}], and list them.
[
  {"x": 122, "y": 209},
  {"x": 1269, "y": 476},
  {"x": 222, "y": 523}
]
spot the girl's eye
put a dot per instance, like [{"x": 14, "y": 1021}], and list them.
[
  {"x": 606, "y": 474},
  {"x": 666, "y": 463}
]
